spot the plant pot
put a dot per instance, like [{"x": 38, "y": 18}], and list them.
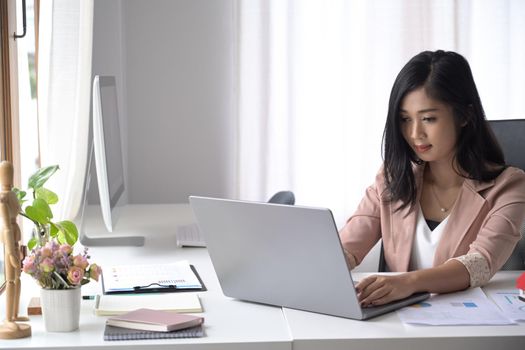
[{"x": 61, "y": 309}]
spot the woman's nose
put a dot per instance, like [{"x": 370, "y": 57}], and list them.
[{"x": 416, "y": 131}]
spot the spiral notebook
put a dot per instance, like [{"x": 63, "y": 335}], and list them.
[{"x": 118, "y": 333}]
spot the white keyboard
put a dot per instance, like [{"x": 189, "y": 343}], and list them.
[{"x": 189, "y": 236}]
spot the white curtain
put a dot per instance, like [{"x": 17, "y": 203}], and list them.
[
  {"x": 64, "y": 81},
  {"x": 315, "y": 77}
]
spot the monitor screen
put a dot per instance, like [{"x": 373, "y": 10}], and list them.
[
  {"x": 107, "y": 150},
  {"x": 107, "y": 147}
]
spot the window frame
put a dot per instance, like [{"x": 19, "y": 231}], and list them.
[{"x": 9, "y": 121}]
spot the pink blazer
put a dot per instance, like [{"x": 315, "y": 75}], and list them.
[{"x": 486, "y": 218}]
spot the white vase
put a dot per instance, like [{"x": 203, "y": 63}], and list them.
[{"x": 61, "y": 309}]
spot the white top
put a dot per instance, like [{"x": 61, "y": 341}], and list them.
[{"x": 425, "y": 243}]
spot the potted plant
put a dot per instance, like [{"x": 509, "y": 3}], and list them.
[
  {"x": 51, "y": 261},
  {"x": 60, "y": 273}
]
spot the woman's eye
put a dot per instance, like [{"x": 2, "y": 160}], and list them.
[
  {"x": 429, "y": 119},
  {"x": 405, "y": 119}
]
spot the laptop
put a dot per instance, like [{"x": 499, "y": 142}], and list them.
[{"x": 283, "y": 255}]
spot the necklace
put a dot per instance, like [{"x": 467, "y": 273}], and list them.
[{"x": 442, "y": 207}]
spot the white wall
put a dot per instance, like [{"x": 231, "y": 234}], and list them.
[
  {"x": 109, "y": 59},
  {"x": 174, "y": 64}
]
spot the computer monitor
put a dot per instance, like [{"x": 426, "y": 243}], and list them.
[{"x": 107, "y": 148}]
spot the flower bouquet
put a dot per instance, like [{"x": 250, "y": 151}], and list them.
[
  {"x": 60, "y": 273},
  {"x": 54, "y": 266}
]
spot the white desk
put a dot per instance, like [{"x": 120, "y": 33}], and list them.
[
  {"x": 229, "y": 324},
  {"x": 314, "y": 331},
  {"x": 232, "y": 324}
]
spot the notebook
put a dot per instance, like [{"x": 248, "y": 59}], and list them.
[
  {"x": 155, "y": 320},
  {"x": 282, "y": 255},
  {"x": 118, "y": 304},
  {"x": 117, "y": 333}
]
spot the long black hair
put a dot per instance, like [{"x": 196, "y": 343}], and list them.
[{"x": 445, "y": 76}]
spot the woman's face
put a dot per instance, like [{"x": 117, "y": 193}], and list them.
[{"x": 428, "y": 126}]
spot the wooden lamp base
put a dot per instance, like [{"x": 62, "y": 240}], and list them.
[{"x": 13, "y": 330}]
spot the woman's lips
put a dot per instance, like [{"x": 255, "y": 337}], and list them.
[{"x": 422, "y": 148}]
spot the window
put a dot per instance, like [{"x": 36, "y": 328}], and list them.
[
  {"x": 5, "y": 101},
  {"x": 27, "y": 97},
  {"x": 19, "y": 122}
]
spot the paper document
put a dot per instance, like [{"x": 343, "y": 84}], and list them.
[
  {"x": 509, "y": 303},
  {"x": 144, "y": 278},
  {"x": 469, "y": 307}
]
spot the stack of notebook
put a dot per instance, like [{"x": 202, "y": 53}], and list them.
[{"x": 153, "y": 324}]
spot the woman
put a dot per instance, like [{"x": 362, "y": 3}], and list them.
[{"x": 445, "y": 204}]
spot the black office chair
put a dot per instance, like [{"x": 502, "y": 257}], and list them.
[
  {"x": 510, "y": 134},
  {"x": 511, "y": 137},
  {"x": 283, "y": 197}
]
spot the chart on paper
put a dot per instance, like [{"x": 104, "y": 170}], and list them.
[
  {"x": 470, "y": 307},
  {"x": 509, "y": 303}
]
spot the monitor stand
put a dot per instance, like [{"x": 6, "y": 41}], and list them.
[
  {"x": 85, "y": 240},
  {"x": 134, "y": 241}
]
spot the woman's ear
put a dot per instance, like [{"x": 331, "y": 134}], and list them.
[{"x": 467, "y": 116}]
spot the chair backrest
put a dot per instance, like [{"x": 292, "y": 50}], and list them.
[
  {"x": 283, "y": 197},
  {"x": 510, "y": 134}
]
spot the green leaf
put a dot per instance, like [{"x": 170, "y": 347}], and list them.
[
  {"x": 39, "y": 178},
  {"x": 67, "y": 232},
  {"x": 61, "y": 237},
  {"x": 19, "y": 194},
  {"x": 32, "y": 243},
  {"x": 39, "y": 211},
  {"x": 53, "y": 229},
  {"x": 49, "y": 196}
]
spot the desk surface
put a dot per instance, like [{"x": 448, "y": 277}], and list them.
[
  {"x": 233, "y": 324},
  {"x": 229, "y": 323},
  {"x": 315, "y": 331}
]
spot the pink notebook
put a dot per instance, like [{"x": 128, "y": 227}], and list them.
[{"x": 154, "y": 320}]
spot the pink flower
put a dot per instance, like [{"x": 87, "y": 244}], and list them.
[
  {"x": 75, "y": 275},
  {"x": 52, "y": 245},
  {"x": 80, "y": 261},
  {"x": 47, "y": 265},
  {"x": 94, "y": 271},
  {"x": 29, "y": 264},
  {"x": 46, "y": 252},
  {"x": 66, "y": 249}
]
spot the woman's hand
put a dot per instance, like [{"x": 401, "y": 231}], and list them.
[
  {"x": 378, "y": 289},
  {"x": 381, "y": 289}
]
